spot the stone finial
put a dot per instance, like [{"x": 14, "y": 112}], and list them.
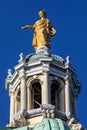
[
  {"x": 52, "y": 113},
  {"x": 44, "y": 113},
  {"x": 21, "y": 57},
  {"x": 68, "y": 59},
  {"x": 48, "y": 113},
  {"x": 9, "y": 73}
]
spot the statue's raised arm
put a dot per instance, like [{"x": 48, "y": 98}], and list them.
[
  {"x": 28, "y": 26},
  {"x": 43, "y": 30}
]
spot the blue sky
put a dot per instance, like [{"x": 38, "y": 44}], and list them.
[{"x": 69, "y": 17}]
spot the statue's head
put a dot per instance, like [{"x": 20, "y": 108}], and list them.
[{"x": 42, "y": 14}]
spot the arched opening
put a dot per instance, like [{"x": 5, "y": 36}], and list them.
[
  {"x": 36, "y": 95},
  {"x": 72, "y": 101},
  {"x": 55, "y": 94}
]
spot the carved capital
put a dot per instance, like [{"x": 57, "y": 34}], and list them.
[{"x": 11, "y": 94}]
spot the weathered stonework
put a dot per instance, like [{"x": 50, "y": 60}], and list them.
[{"x": 38, "y": 73}]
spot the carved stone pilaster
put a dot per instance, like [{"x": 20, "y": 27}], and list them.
[
  {"x": 45, "y": 89},
  {"x": 67, "y": 95},
  {"x": 23, "y": 92},
  {"x": 12, "y": 107}
]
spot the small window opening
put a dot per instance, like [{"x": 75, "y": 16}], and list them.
[
  {"x": 36, "y": 95},
  {"x": 55, "y": 95}
]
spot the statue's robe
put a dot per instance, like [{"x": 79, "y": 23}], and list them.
[{"x": 43, "y": 31}]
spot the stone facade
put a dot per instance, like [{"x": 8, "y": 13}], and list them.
[{"x": 42, "y": 78}]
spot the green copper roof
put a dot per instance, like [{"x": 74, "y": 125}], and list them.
[
  {"x": 13, "y": 128},
  {"x": 46, "y": 124},
  {"x": 51, "y": 124},
  {"x": 5, "y": 128},
  {"x": 21, "y": 128}
]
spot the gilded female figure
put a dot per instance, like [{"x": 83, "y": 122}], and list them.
[{"x": 42, "y": 31}]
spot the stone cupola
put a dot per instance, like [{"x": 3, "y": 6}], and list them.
[
  {"x": 44, "y": 87},
  {"x": 42, "y": 80}
]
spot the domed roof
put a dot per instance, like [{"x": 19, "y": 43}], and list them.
[
  {"x": 51, "y": 124},
  {"x": 43, "y": 54},
  {"x": 46, "y": 124}
]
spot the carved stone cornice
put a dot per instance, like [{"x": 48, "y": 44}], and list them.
[{"x": 47, "y": 111}]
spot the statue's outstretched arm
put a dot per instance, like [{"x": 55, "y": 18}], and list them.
[{"x": 28, "y": 26}]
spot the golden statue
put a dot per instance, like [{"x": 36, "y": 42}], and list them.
[{"x": 42, "y": 31}]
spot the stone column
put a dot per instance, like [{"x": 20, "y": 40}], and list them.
[
  {"x": 67, "y": 95},
  {"x": 28, "y": 98},
  {"x": 12, "y": 107},
  {"x": 45, "y": 89},
  {"x": 16, "y": 105},
  {"x": 23, "y": 92}
]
